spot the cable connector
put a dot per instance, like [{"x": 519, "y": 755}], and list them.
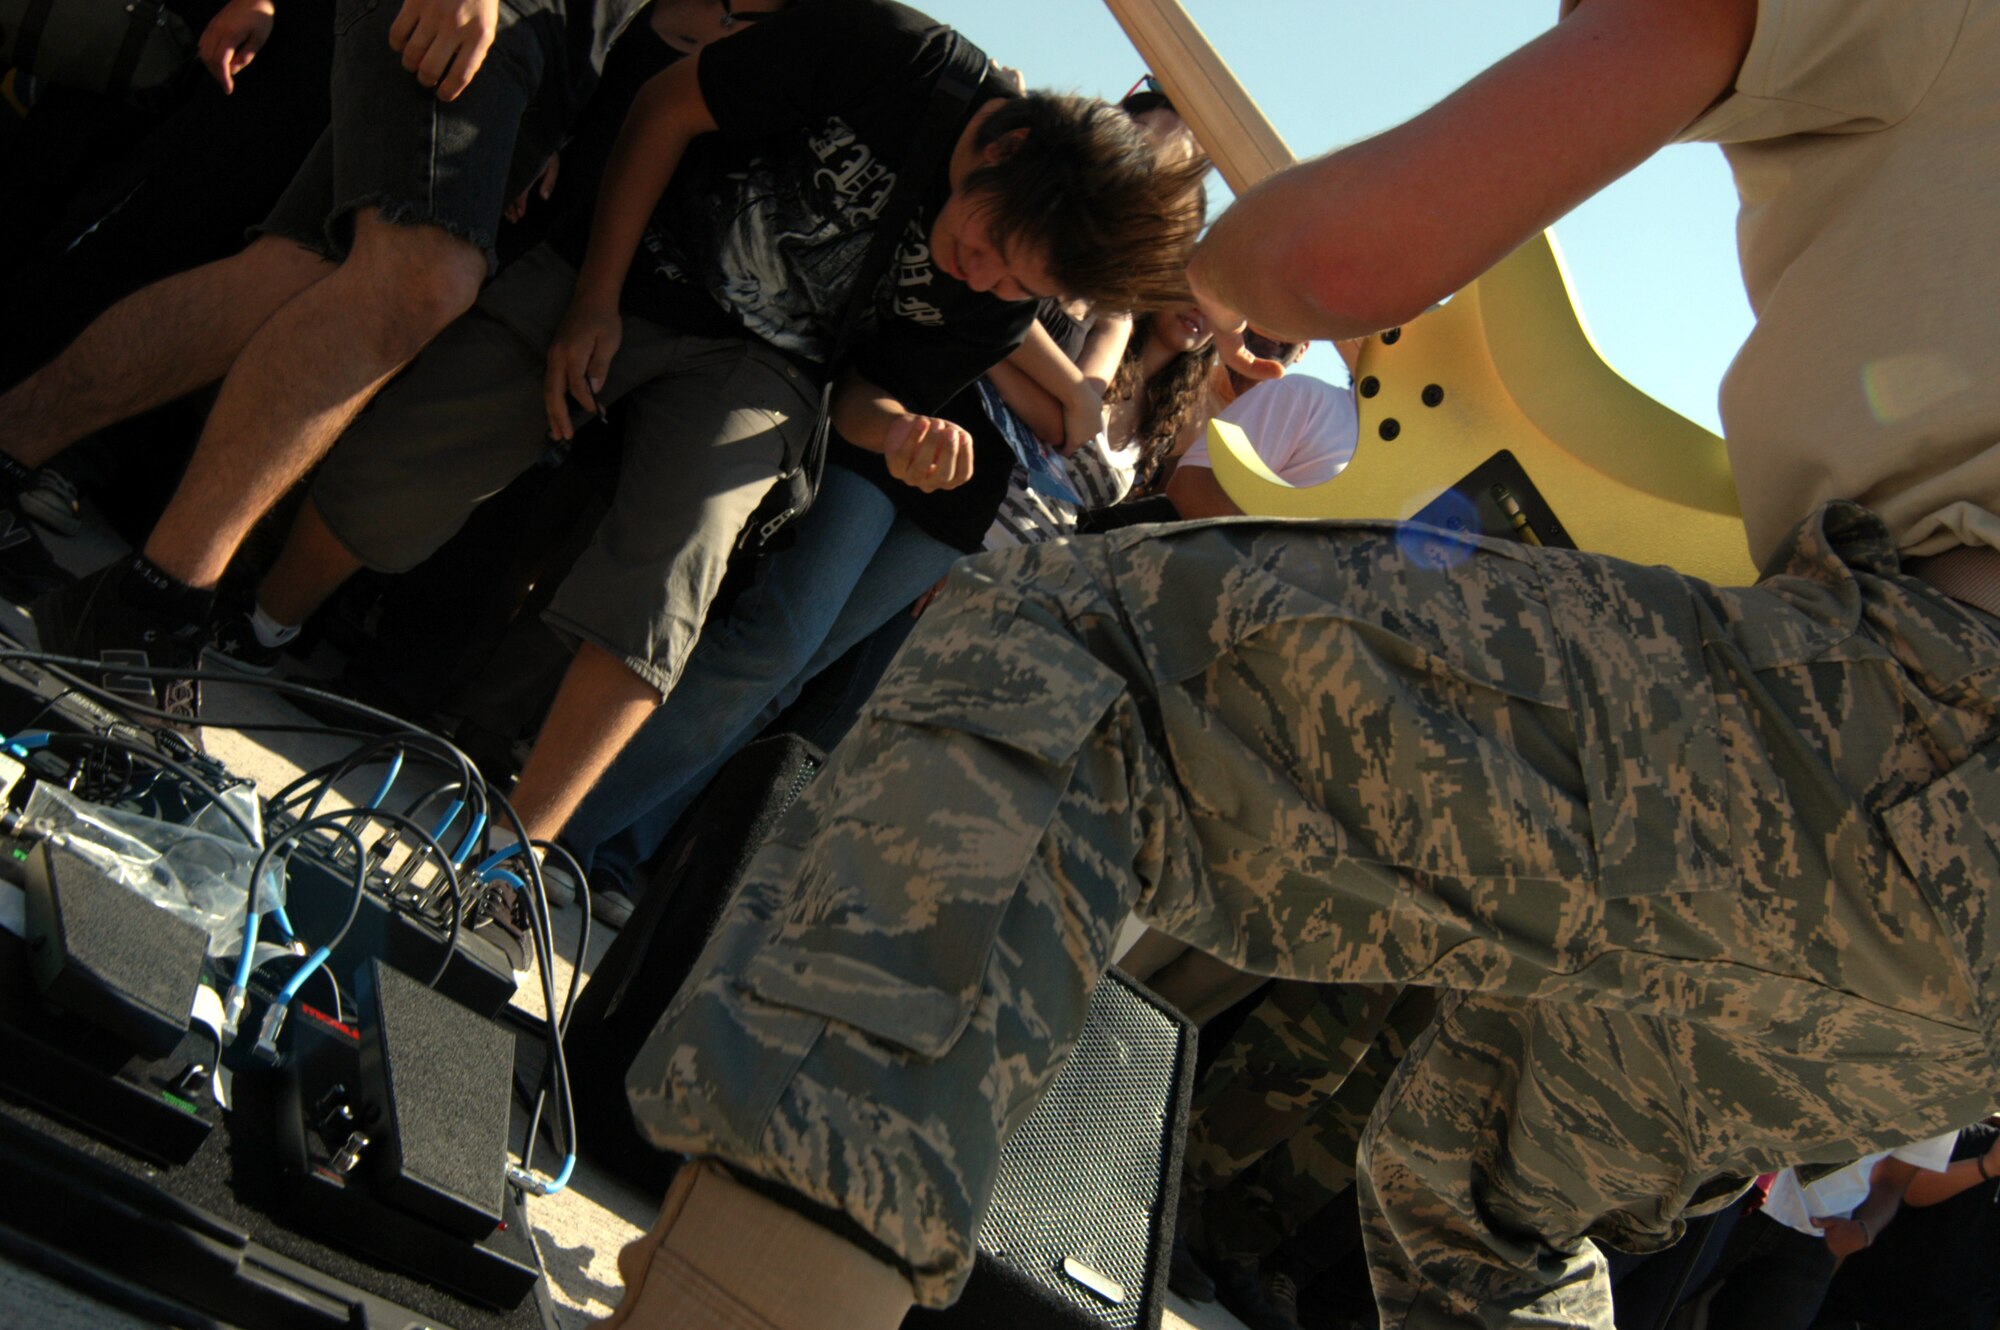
[
  {"x": 232, "y": 1011},
  {"x": 267, "y": 1036},
  {"x": 535, "y": 1186}
]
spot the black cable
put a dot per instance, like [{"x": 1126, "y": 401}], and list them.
[
  {"x": 538, "y": 915},
  {"x": 575, "y": 982},
  {"x": 65, "y": 667},
  {"x": 430, "y": 846},
  {"x": 583, "y": 938},
  {"x": 285, "y": 838},
  {"x": 152, "y": 755}
]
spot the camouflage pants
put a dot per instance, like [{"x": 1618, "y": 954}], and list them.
[
  {"x": 1276, "y": 1123},
  {"x": 1709, "y": 865}
]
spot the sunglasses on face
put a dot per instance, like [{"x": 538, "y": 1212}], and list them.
[{"x": 1270, "y": 348}]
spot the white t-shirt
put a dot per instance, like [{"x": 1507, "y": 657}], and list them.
[
  {"x": 1303, "y": 428},
  {"x": 1835, "y": 1196},
  {"x": 1866, "y": 150}
]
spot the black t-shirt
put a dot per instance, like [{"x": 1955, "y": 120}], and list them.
[
  {"x": 1934, "y": 1266},
  {"x": 766, "y": 223},
  {"x": 961, "y": 517}
]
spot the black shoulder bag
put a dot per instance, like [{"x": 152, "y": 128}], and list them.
[{"x": 769, "y": 528}]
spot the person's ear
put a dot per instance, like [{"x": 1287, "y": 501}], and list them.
[{"x": 1000, "y": 149}]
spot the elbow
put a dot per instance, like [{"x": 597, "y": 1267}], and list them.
[{"x": 1356, "y": 292}]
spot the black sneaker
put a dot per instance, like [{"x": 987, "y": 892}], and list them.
[
  {"x": 1262, "y": 1297},
  {"x": 27, "y": 569},
  {"x": 612, "y": 907},
  {"x": 233, "y": 645},
  {"x": 53, "y": 502},
  {"x": 93, "y": 618},
  {"x": 1186, "y": 1275}
]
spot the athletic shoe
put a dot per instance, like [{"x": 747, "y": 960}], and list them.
[
  {"x": 53, "y": 503},
  {"x": 92, "y": 618},
  {"x": 612, "y": 907},
  {"x": 233, "y": 645},
  {"x": 1262, "y": 1297},
  {"x": 1186, "y": 1274},
  {"x": 27, "y": 569}
]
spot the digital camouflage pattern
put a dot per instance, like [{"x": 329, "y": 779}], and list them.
[
  {"x": 1276, "y": 1072},
  {"x": 1707, "y": 863},
  {"x": 1276, "y": 1122}
]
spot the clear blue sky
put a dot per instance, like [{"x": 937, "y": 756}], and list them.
[{"x": 1653, "y": 258}]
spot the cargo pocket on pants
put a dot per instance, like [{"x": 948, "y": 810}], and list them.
[
  {"x": 1946, "y": 836},
  {"x": 905, "y": 885}
]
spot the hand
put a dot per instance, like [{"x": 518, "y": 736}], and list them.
[
  {"x": 579, "y": 359},
  {"x": 923, "y": 602},
  {"x": 1229, "y": 326},
  {"x": 233, "y": 37},
  {"x": 543, "y": 184},
  {"x": 1008, "y": 75},
  {"x": 928, "y": 454},
  {"x": 444, "y": 42},
  {"x": 1844, "y": 1237}
]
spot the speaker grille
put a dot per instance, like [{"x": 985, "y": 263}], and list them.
[{"x": 1084, "y": 1178}]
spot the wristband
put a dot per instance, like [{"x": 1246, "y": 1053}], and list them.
[
  {"x": 1867, "y": 1238},
  {"x": 1984, "y": 1176}
]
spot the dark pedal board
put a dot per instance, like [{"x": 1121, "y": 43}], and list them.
[
  {"x": 372, "y": 1172},
  {"x": 403, "y": 923}
]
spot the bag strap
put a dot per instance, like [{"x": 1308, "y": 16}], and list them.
[
  {"x": 28, "y": 33},
  {"x": 146, "y": 16}
]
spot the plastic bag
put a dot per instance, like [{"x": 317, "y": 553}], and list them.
[{"x": 199, "y": 870}]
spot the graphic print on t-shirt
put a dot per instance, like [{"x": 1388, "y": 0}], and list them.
[{"x": 789, "y": 232}]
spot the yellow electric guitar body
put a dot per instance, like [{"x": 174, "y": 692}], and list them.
[{"x": 1504, "y": 366}]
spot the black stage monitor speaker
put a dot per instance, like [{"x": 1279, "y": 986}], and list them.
[
  {"x": 438, "y": 1077},
  {"x": 1082, "y": 1219},
  {"x": 107, "y": 954}
]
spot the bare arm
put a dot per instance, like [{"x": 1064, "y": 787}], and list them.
[
  {"x": 1103, "y": 347},
  {"x": 667, "y": 115},
  {"x": 1887, "y": 1182},
  {"x": 1929, "y": 1188},
  {"x": 921, "y": 451},
  {"x": 1196, "y": 493},
  {"x": 1372, "y": 235},
  {"x": 1078, "y": 394},
  {"x": 1036, "y": 407}
]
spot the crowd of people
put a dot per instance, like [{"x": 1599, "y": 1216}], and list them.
[{"x": 609, "y": 375}]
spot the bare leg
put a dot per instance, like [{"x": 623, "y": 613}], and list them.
[
  {"x": 312, "y": 566},
  {"x": 159, "y": 343},
  {"x": 301, "y": 379},
  {"x": 600, "y": 705}
]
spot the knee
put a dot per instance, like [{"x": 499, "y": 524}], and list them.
[{"x": 417, "y": 280}]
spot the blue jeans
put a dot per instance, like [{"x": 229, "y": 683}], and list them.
[{"x": 854, "y": 563}]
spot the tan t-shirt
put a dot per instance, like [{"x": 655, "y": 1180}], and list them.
[{"x": 1865, "y": 140}]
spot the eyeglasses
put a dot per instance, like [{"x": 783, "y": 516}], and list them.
[
  {"x": 1270, "y": 348},
  {"x": 1149, "y": 83}
]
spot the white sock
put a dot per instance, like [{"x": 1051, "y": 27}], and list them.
[{"x": 269, "y": 631}]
